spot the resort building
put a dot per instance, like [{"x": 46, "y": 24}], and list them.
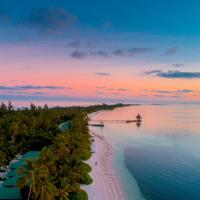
[
  {"x": 8, "y": 189},
  {"x": 138, "y": 117}
]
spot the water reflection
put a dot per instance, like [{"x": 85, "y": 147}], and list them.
[
  {"x": 138, "y": 124},
  {"x": 163, "y": 152}
]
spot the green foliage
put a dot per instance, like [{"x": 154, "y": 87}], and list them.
[
  {"x": 85, "y": 167},
  {"x": 3, "y": 159},
  {"x": 82, "y": 195},
  {"x": 60, "y": 169},
  {"x": 87, "y": 180}
]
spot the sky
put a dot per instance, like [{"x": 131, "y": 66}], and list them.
[{"x": 130, "y": 50}]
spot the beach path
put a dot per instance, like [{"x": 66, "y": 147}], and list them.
[{"x": 106, "y": 185}]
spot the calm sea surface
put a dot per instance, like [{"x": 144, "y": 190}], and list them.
[{"x": 160, "y": 158}]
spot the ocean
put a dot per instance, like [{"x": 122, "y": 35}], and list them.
[{"x": 158, "y": 159}]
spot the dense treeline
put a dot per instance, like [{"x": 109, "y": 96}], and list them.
[
  {"x": 27, "y": 129},
  {"x": 60, "y": 169}
]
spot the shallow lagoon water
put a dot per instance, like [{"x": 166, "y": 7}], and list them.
[{"x": 160, "y": 160}]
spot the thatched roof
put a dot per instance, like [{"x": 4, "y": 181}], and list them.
[{"x": 138, "y": 116}]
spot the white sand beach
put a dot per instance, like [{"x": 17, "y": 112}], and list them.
[{"x": 106, "y": 185}]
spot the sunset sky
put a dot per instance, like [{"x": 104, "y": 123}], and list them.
[{"x": 131, "y": 50}]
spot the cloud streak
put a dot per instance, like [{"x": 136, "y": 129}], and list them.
[
  {"x": 167, "y": 96},
  {"x": 78, "y": 54},
  {"x": 101, "y": 53},
  {"x": 122, "y": 89},
  {"x": 132, "y": 51},
  {"x": 102, "y": 74},
  {"x": 171, "y": 51},
  {"x": 31, "y": 87},
  {"x": 112, "y": 89},
  {"x": 184, "y": 91},
  {"x": 53, "y": 20},
  {"x": 118, "y": 52},
  {"x": 173, "y": 74},
  {"x": 152, "y": 72},
  {"x": 171, "y": 91},
  {"x": 135, "y": 51}
]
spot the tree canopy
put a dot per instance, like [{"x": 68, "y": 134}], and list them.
[{"x": 60, "y": 169}]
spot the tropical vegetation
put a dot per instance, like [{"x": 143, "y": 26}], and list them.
[{"x": 61, "y": 169}]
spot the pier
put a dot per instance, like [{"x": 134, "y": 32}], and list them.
[
  {"x": 100, "y": 122},
  {"x": 115, "y": 121}
]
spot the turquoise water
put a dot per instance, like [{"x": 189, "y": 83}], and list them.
[{"x": 160, "y": 160}]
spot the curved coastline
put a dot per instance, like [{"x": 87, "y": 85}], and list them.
[
  {"x": 106, "y": 184},
  {"x": 111, "y": 179}
]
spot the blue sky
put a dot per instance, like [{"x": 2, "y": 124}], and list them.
[
  {"x": 163, "y": 17},
  {"x": 152, "y": 41}
]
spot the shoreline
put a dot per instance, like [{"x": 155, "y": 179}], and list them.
[{"x": 106, "y": 182}]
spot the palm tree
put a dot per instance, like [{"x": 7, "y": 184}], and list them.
[
  {"x": 63, "y": 193},
  {"x": 45, "y": 191},
  {"x": 36, "y": 177}
]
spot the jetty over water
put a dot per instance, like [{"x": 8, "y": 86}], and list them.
[
  {"x": 138, "y": 119},
  {"x": 115, "y": 121}
]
